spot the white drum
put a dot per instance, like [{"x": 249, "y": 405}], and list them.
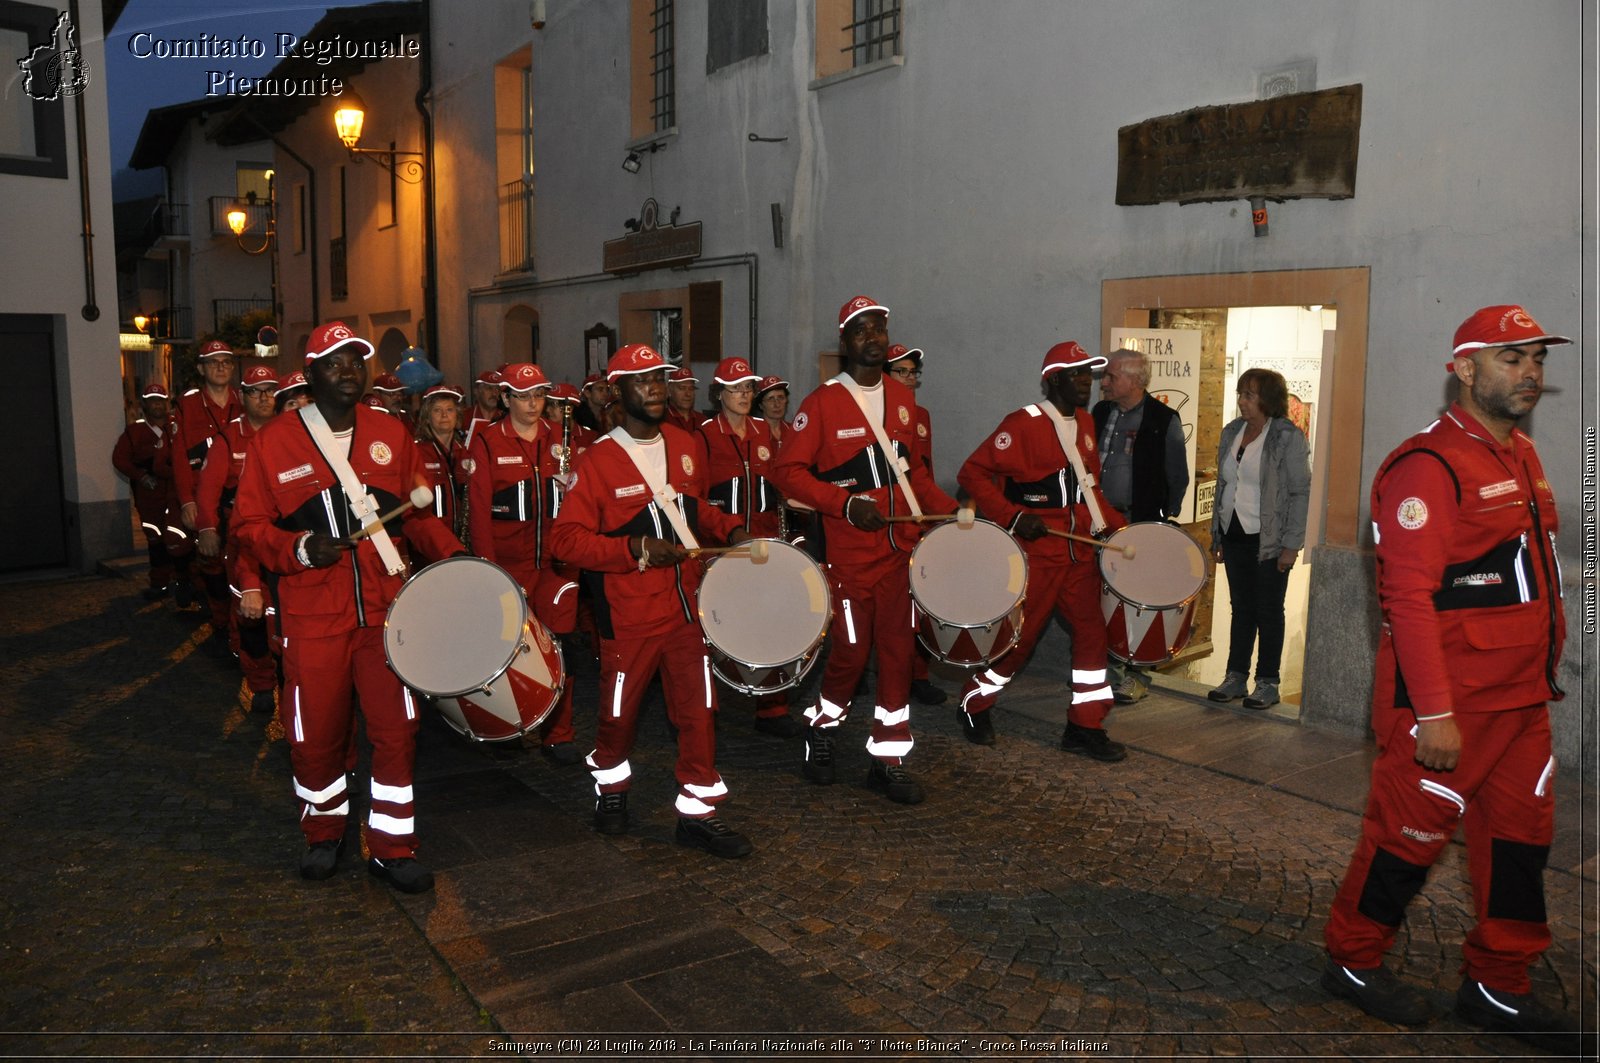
[
  {"x": 968, "y": 584},
  {"x": 1148, "y": 599},
  {"x": 764, "y": 621},
  {"x": 460, "y": 631}
]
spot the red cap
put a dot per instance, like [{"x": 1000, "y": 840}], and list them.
[
  {"x": 388, "y": 382},
  {"x": 522, "y": 377},
  {"x": 632, "y": 359},
  {"x": 592, "y": 379},
  {"x": 1069, "y": 355},
  {"x": 442, "y": 389},
  {"x": 259, "y": 376},
  {"x": 331, "y": 337},
  {"x": 1500, "y": 326},
  {"x": 214, "y": 348},
  {"x": 732, "y": 371},
  {"x": 375, "y": 403},
  {"x": 153, "y": 391},
  {"x": 768, "y": 383},
  {"x": 898, "y": 351},
  {"x": 565, "y": 392},
  {"x": 296, "y": 379},
  {"x": 861, "y": 304},
  {"x": 682, "y": 375},
  {"x": 488, "y": 376}
]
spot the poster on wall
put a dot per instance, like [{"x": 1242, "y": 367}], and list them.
[{"x": 1173, "y": 356}]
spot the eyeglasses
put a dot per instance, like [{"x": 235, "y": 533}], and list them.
[
  {"x": 740, "y": 389},
  {"x": 908, "y": 373}
]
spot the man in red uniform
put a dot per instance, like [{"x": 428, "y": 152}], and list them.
[
  {"x": 485, "y": 402},
  {"x": 513, "y": 495},
  {"x": 682, "y": 386},
  {"x": 393, "y": 395},
  {"x": 1470, "y": 588},
  {"x": 596, "y": 394},
  {"x": 1036, "y": 473},
  {"x": 849, "y": 456},
  {"x": 197, "y": 424},
  {"x": 296, "y": 513},
  {"x": 141, "y": 454},
  {"x": 214, "y": 495},
  {"x": 634, "y": 511},
  {"x": 905, "y": 365}
]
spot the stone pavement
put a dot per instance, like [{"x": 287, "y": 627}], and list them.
[{"x": 1169, "y": 905}]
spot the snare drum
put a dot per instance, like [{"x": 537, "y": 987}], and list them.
[
  {"x": 460, "y": 631},
  {"x": 1148, "y": 599},
  {"x": 764, "y": 623},
  {"x": 968, "y": 585}
]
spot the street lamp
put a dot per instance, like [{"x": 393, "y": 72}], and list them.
[
  {"x": 141, "y": 322},
  {"x": 349, "y": 117}
]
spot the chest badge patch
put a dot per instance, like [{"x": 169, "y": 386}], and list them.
[
  {"x": 380, "y": 453},
  {"x": 468, "y": 465},
  {"x": 763, "y": 453},
  {"x": 1002, "y": 441},
  {"x": 922, "y": 430},
  {"x": 1412, "y": 514},
  {"x": 905, "y": 415},
  {"x": 688, "y": 464}
]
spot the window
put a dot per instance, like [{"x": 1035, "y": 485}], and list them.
[
  {"x": 44, "y": 69},
  {"x": 514, "y": 162},
  {"x": 735, "y": 30},
  {"x": 653, "y": 77},
  {"x": 856, "y": 34}
]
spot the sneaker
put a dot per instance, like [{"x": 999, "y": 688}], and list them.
[
  {"x": 1520, "y": 1015},
  {"x": 926, "y": 693},
  {"x": 712, "y": 835},
  {"x": 1130, "y": 690},
  {"x": 819, "y": 756},
  {"x": 611, "y": 813},
  {"x": 784, "y": 726},
  {"x": 154, "y": 594},
  {"x": 899, "y": 784},
  {"x": 978, "y": 728},
  {"x": 403, "y": 873},
  {"x": 263, "y": 701},
  {"x": 320, "y": 860},
  {"x": 1376, "y": 991},
  {"x": 1092, "y": 742},
  {"x": 1233, "y": 686},
  {"x": 561, "y": 754},
  {"x": 1264, "y": 696}
]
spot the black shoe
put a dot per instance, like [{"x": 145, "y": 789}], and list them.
[
  {"x": 403, "y": 873},
  {"x": 978, "y": 728},
  {"x": 562, "y": 754},
  {"x": 926, "y": 693},
  {"x": 819, "y": 756},
  {"x": 611, "y": 813},
  {"x": 1520, "y": 1015},
  {"x": 154, "y": 594},
  {"x": 1092, "y": 742},
  {"x": 263, "y": 701},
  {"x": 320, "y": 860},
  {"x": 712, "y": 835},
  {"x": 182, "y": 594},
  {"x": 1376, "y": 991},
  {"x": 784, "y": 726},
  {"x": 896, "y": 782}
]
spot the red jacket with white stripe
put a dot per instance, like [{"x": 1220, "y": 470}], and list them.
[
  {"x": 215, "y": 487},
  {"x": 513, "y": 493},
  {"x": 141, "y": 450},
  {"x": 197, "y": 422},
  {"x": 736, "y": 469}
]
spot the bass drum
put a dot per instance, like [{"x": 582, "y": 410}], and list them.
[
  {"x": 764, "y": 621},
  {"x": 968, "y": 585},
  {"x": 1148, "y": 599}
]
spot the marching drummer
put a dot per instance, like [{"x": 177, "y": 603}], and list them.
[
  {"x": 905, "y": 365},
  {"x": 682, "y": 389},
  {"x": 514, "y": 491},
  {"x": 444, "y": 457},
  {"x": 849, "y": 457},
  {"x": 635, "y": 510},
  {"x": 738, "y": 449},
  {"x": 1036, "y": 474}
]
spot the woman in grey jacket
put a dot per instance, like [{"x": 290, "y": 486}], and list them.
[{"x": 1258, "y": 527}]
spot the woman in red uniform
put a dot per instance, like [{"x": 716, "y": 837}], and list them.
[{"x": 443, "y": 458}]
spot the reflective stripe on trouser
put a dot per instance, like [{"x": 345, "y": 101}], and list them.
[
  {"x": 321, "y": 674},
  {"x": 1411, "y": 815},
  {"x": 1073, "y": 591},
  {"x": 626, "y": 668},
  {"x": 871, "y": 612}
]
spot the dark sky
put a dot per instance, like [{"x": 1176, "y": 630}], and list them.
[{"x": 135, "y": 85}]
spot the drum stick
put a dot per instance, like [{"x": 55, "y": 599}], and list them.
[
  {"x": 963, "y": 517},
  {"x": 1127, "y": 550},
  {"x": 754, "y": 549},
  {"x": 421, "y": 495}
]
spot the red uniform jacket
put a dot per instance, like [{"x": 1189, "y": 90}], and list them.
[
  {"x": 142, "y": 450},
  {"x": 446, "y": 469},
  {"x": 1021, "y": 468},
  {"x": 287, "y": 489},
  {"x": 830, "y": 453},
  {"x": 218, "y": 481},
  {"x": 924, "y": 449},
  {"x": 1468, "y": 578},
  {"x": 514, "y": 492},
  {"x": 609, "y": 502},
  {"x": 736, "y": 470},
  {"x": 197, "y": 422},
  {"x": 689, "y": 422}
]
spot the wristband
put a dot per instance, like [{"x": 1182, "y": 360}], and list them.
[
  {"x": 300, "y": 554},
  {"x": 1437, "y": 716}
]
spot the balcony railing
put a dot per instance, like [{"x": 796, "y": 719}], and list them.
[
  {"x": 516, "y": 227},
  {"x": 338, "y": 274},
  {"x": 256, "y": 215},
  {"x": 221, "y": 309},
  {"x": 171, "y": 219},
  {"x": 173, "y": 324}
]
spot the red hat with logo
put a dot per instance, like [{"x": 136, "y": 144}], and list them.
[
  {"x": 861, "y": 304},
  {"x": 388, "y": 382},
  {"x": 768, "y": 383},
  {"x": 334, "y": 336},
  {"x": 594, "y": 378},
  {"x": 898, "y": 351},
  {"x": 1069, "y": 355},
  {"x": 442, "y": 389},
  {"x": 1500, "y": 326},
  {"x": 731, "y": 371},
  {"x": 565, "y": 392},
  {"x": 522, "y": 377},
  {"x": 488, "y": 376},
  {"x": 296, "y": 379},
  {"x": 375, "y": 403},
  {"x": 153, "y": 391},
  {"x": 682, "y": 375},
  {"x": 259, "y": 376},
  {"x": 632, "y": 359},
  {"x": 214, "y": 349}
]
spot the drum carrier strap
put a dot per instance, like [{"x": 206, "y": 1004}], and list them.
[
  {"x": 665, "y": 496},
  {"x": 362, "y": 504},
  {"x": 897, "y": 464},
  {"x": 1067, "y": 434}
]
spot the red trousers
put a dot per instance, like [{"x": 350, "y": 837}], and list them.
[
  {"x": 1074, "y": 592},
  {"x": 1502, "y": 792},
  {"x": 552, "y": 595},
  {"x": 626, "y": 668},
  {"x": 320, "y": 676},
  {"x": 250, "y": 638},
  {"x": 871, "y": 610}
]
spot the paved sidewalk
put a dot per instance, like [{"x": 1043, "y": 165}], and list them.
[{"x": 1168, "y": 905}]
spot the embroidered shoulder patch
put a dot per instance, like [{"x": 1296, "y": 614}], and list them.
[
  {"x": 1412, "y": 514},
  {"x": 1002, "y": 441},
  {"x": 800, "y": 422}
]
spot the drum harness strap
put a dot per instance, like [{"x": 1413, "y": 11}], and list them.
[
  {"x": 666, "y": 498},
  {"x": 1067, "y": 433},
  {"x": 896, "y": 463},
  {"x": 363, "y": 505}
]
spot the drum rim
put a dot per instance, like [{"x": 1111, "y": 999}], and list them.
[
  {"x": 465, "y": 730},
  {"x": 926, "y": 612},
  {"x": 505, "y": 665},
  {"x": 1100, "y": 565},
  {"x": 827, "y": 612}
]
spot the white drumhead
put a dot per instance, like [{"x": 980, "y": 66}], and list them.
[
  {"x": 455, "y": 626},
  {"x": 766, "y": 614},
  {"x": 968, "y": 576},
  {"x": 1167, "y": 568}
]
